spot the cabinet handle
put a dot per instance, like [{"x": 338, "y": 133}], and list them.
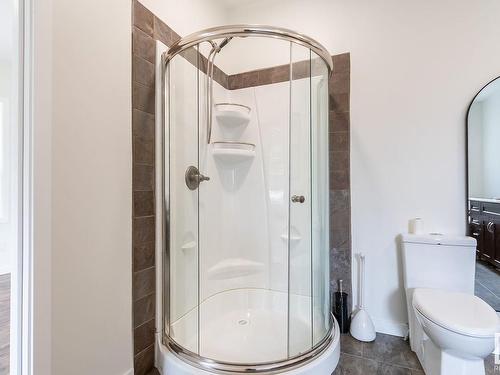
[
  {"x": 491, "y": 227},
  {"x": 475, "y": 234}
]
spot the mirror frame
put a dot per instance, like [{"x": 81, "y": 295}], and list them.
[{"x": 467, "y": 153}]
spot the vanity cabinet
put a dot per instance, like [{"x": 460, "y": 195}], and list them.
[{"x": 484, "y": 226}]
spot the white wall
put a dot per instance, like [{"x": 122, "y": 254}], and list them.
[
  {"x": 415, "y": 68},
  {"x": 41, "y": 164},
  {"x": 190, "y": 15},
  {"x": 91, "y": 188}
]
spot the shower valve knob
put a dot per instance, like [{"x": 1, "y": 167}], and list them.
[
  {"x": 193, "y": 177},
  {"x": 298, "y": 199}
]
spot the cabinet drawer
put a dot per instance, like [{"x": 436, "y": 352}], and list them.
[
  {"x": 491, "y": 208},
  {"x": 475, "y": 217},
  {"x": 475, "y": 206}
]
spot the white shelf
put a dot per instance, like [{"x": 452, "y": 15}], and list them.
[
  {"x": 188, "y": 246},
  {"x": 293, "y": 238},
  {"x": 234, "y": 267},
  {"x": 233, "y": 152},
  {"x": 232, "y": 115}
]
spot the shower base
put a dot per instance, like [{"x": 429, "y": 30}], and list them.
[{"x": 248, "y": 326}]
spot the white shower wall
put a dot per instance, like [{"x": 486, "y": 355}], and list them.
[{"x": 244, "y": 209}]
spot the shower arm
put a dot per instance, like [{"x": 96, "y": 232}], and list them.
[
  {"x": 211, "y": 59},
  {"x": 216, "y": 48}
]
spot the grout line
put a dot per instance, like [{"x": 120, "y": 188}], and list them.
[
  {"x": 145, "y": 269},
  {"x": 144, "y": 350},
  {"x": 146, "y": 322},
  {"x": 488, "y": 289}
]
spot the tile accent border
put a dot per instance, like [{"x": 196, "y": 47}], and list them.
[
  {"x": 146, "y": 29},
  {"x": 340, "y": 182}
]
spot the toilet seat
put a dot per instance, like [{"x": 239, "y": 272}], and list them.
[{"x": 462, "y": 313}]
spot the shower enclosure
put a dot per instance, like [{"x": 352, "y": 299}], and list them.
[{"x": 245, "y": 175}]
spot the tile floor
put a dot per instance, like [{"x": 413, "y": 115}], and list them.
[
  {"x": 387, "y": 355},
  {"x": 488, "y": 284},
  {"x": 4, "y": 323}
]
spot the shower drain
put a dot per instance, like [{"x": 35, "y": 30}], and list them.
[{"x": 243, "y": 322}]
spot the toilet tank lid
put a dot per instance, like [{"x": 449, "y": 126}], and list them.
[{"x": 438, "y": 239}]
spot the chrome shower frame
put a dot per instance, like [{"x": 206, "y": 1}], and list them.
[
  {"x": 232, "y": 31},
  {"x": 209, "y": 35}
]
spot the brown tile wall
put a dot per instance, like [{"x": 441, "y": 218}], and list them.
[
  {"x": 340, "y": 183},
  {"x": 146, "y": 28}
]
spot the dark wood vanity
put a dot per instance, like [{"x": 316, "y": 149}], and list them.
[{"x": 484, "y": 226}]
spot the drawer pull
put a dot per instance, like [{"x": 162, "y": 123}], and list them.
[
  {"x": 475, "y": 234},
  {"x": 491, "y": 227}
]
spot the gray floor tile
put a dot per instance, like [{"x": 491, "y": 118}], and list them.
[
  {"x": 353, "y": 365},
  {"x": 350, "y": 345},
  {"x": 391, "y": 350},
  {"x": 486, "y": 295},
  {"x": 4, "y": 323},
  {"x": 489, "y": 365},
  {"x": 488, "y": 277},
  {"x": 385, "y": 369},
  {"x": 387, "y": 355}
]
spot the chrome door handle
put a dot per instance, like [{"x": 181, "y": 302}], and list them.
[
  {"x": 193, "y": 177},
  {"x": 298, "y": 199}
]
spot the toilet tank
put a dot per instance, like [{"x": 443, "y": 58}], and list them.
[{"x": 438, "y": 261}]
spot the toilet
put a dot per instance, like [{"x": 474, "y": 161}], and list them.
[{"x": 451, "y": 330}]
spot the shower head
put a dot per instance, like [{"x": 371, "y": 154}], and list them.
[{"x": 224, "y": 42}]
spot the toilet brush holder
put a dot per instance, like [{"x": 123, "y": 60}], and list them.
[
  {"x": 362, "y": 327},
  {"x": 340, "y": 309}
]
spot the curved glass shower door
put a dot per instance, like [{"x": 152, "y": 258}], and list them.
[
  {"x": 182, "y": 202},
  {"x": 246, "y": 267}
]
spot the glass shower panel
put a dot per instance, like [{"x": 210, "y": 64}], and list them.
[
  {"x": 243, "y": 216},
  {"x": 319, "y": 199},
  {"x": 299, "y": 231},
  {"x": 182, "y": 138}
]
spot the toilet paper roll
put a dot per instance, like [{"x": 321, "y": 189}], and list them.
[{"x": 416, "y": 226}]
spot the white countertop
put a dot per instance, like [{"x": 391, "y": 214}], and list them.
[{"x": 487, "y": 200}]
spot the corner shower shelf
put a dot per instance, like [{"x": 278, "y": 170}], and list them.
[
  {"x": 188, "y": 246},
  {"x": 232, "y": 151},
  {"x": 232, "y": 114},
  {"x": 294, "y": 238},
  {"x": 234, "y": 267}
]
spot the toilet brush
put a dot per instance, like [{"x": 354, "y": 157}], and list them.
[{"x": 362, "y": 327}]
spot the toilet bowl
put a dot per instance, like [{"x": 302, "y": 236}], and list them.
[
  {"x": 460, "y": 330},
  {"x": 450, "y": 329}
]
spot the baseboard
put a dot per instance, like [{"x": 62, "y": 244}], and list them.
[
  {"x": 390, "y": 327},
  {"x": 129, "y": 372}
]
